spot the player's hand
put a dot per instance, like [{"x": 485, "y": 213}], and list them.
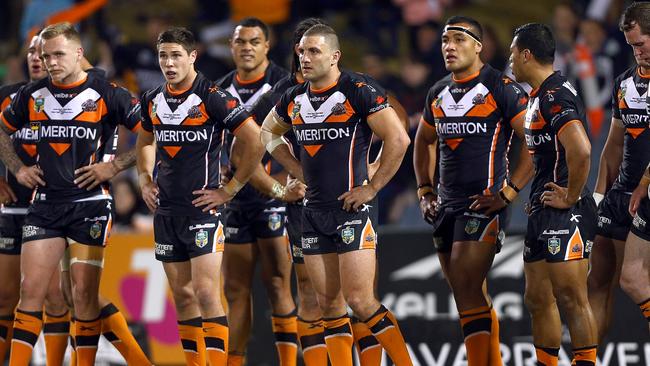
[
  {"x": 7, "y": 194},
  {"x": 150, "y": 193},
  {"x": 357, "y": 196},
  {"x": 210, "y": 198},
  {"x": 30, "y": 176},
  {"x": 91, "y": 176},
  {"x": 556, "y": 197},
  {"x": 295, "y": 190},
  {"x": 640, "y": 192},
  {"x": 487, "y": 203},
  {"x": 428, "y": 207}
]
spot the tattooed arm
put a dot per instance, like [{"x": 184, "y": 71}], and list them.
[
  {"x": 28, "y": 176},
  {"x": 92, "y": 175}
]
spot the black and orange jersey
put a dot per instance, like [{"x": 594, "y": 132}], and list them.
[
  {"x": 629, "y": 104},
  {"x": 188, "y": 126},
  {"x": 472, "y": 118},
  {"x": 332, "y": 131},
  {"x": 552, "y": 106},
  {"x": 248, "y": 93},
  {"x": 70, "y": 127},
  {"x": 25, "y": 149}
]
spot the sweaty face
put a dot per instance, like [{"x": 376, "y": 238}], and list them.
[
  {"x": 316, "y": 57},
  {"x": 62, "y": 58},
  {"x": 460, "y": 51},
  {"x": 175, "y": 62},
  {"x": 248, "y": 47},
  {"x": 640, "y": 45},
  {"x": 35, "y": 65}
]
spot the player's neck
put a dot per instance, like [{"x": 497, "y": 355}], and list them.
[
  {"x": 538, "y": 75},
  {"x": 326, "y": 81},
  {"x": 185, "y": 84},
  {"x": 71, "y": 80},
  {"x": 253, "y": 74},
  {"x": 463, "y": 75},
  {"x": 644, "y": 71}
]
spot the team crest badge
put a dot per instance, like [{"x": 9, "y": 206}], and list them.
[
  {"x": 621, "y": 92},
  {"x": 437, "y": 102},
  {"x": 472, "y": 226},
  {"x": 295, "y": 111},
  {"x": 194, "y": 112},
  {"x": 201, "y": 238},
  {"x": 338, "y": 109},
  {"x": 89, "y": 106},
  {"x": 347, "y": 235},
  {"x": 275, "y": 221},
  {"x": 95, "y": 230},
  {"x": 478, "y": 99},
  {"x": 153, "y": 110},
  {"x": 39, "y": 104},
  {"x": 553, "y": 245}
]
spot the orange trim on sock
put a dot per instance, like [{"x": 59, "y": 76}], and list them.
[
  {"x": 545, "y": 358},
  {"x": 116, "y": 330},
  {"x": 285, "y": 329},
  {"x": 312, "y": 342},
  {"x": 192, "y": 341}
]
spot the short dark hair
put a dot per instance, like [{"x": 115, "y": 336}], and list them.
[
  {"x": 538, "y": 39},
  {"x": 474, "y": 25},
  {"x": 65, "y": 29},
  {"x": 325, "y": 31},
  {"x": 638, "y": 13},
  {"x": 300, "y": 30},
  {"x": 252, "y": 22},
  {"x": 179, "y": 35}
]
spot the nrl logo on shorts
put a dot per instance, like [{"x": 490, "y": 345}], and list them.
[
  {"x": 347, "y": 235},
  {"x": 201, "y": 238},
  {"x": 472, "y": 226},
  {"x": 39, "y": 104},
  {"x": 194, "y": 112},
  {"x": 295, "y": 111},
  {"x": 275, "y": 221},
  {"x": 338, "y": 109},
  {"x": 95, "y": 230},
  {"x": 478, "y": 99},
  {"x": 89, "y": 106},
  {"x": 554, "y": 245}
]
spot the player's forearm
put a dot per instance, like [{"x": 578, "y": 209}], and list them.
[
  {"x": 264, "y": 183},
  {"x": 391, "y": 159},
  {"x": 249, "y": 158},
  {"x": 8, "y": 154},
  {"x": 423, "y": 158},
  {"x": 524, "y": 170},
  {"x": 578, "y": 165},
  {"x": 125, "y": 160},
  {"x": 145, "y": 159},
  {"x": 283, "y": 155},
  {"x": 610, "y": 160}
]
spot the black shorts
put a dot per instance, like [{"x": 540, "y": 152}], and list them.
[
  {"x": 337, "y": 231},
  {"x": 87, "y": 223},
  {"x": 561, "y": 235},
  {"x": 11, "y": 233},
  {"x": 294, "y": 232},
  {"x": 180, "y": 238},
  {"x": 640, "y": 225},
  {"x": 245, "y": 224},
  {"x": 459, "y": 223},
  {"x": 614, "y": 220}
]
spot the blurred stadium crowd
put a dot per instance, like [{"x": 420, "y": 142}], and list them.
[{"x": 395, "y": 41}]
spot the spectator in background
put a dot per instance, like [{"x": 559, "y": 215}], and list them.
[
  {"x": 131, "y": 213},
  {"x": 136, "y": 64},
  {"x": 492, "y": 52},
  {"x": 426, "y": 47}
]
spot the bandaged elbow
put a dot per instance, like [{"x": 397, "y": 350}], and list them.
[{"x": 271, "y": 140}]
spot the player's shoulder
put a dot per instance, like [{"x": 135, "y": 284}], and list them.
[
  {"x": 8, "y": 90},
  {"x": 227, "y": 79},
  {"x": 275, "y": 73},
  {"x": 630, "y": 73},
  {"x": 285, "y": 83},
  {"x": 360, "y": 83},
  {"x": 440, "y": 85}
]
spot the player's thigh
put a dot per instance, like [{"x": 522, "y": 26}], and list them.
[
  {"x": 274, "y": 257},
  {"x": 357, "y": 273}
]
